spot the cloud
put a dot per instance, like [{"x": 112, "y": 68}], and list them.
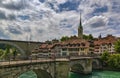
[
  {"x": 97, "y": 21},
  {"x": 14, "y": 29},
  {"x": 2, "y": 15},
  {"x": 47, "y": 19},
  {"x": 3, "y": 34},
  {"x": 14, "y": 4},
  {"x": 61, "y": 1}
]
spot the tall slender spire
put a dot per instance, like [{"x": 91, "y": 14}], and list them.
[
  {"x": 80, "y": 20},
  {"x": 80, "y": 29}
]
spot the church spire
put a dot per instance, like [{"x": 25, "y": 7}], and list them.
[
  {"x": 80, "y": 29},
  {"x": 80, "y": 21}
]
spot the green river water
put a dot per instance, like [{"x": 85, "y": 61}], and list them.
[{"x": 95, "y": 74}]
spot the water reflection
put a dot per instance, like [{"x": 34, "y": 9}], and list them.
[
  {"x": 97, "y": 74},
  {"x": 29, "y": 74}
]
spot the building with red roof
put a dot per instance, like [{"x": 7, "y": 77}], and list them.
[{"x": 77, "y": 46}]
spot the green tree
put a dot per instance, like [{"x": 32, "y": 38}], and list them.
[
  {"x": 14, "y": 53},
  {"x": 104, "y": 57},
  {"x": 1, "y": 53},
  {"x": 117, "y": 46},
  {"x": 85, "y": 37},
  {"x": 64, "y": 38},
  {"x": 6, "y": 54},
  {"x": 114, "y": 61},
  {"x": 90, "y": 37}
]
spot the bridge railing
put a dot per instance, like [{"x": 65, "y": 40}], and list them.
[{"x": 37, "y": 59}]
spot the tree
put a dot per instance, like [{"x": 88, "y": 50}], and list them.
[
  {"x": 14, "y": 52},
  {"x": 114, "y": 61},
  {"x": 105, "y": 56},
  {"x": 90, "y": 37},
  {"x": 1, "y": 53},
  {"x": 64, "y": 38},
  {"x": 85, "y": 37},
  {"x": 117, "y": 46},
  {"x": 7, "y": 52}
]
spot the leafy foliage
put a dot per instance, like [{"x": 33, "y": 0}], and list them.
[
  {"x": 9, "y": 53},
  {"x": 112, "y": 61},
  {"x": 6, "y": 54},
  {"x": 64, "y": 38},
  {"x": 1, "y": 53},
  {"x": 88, "y": 37},
  {"x": 105, "y": 56},
  {"x": 117, "y": 46}
]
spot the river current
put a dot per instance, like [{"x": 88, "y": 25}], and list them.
[{"x": 95, "y": 74}]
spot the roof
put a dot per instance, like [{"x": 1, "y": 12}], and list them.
[{"x": 106, "y": 40}]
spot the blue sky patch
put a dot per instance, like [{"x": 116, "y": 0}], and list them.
[
  {"x": 74, "y": 31},
  {"x": 23, "y": 17},
  {"x": 101, "y": 9},
  {"x": 42, "y": 1},
  {"x": 67, "y": 6}
]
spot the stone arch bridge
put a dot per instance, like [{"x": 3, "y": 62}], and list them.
[
  {"x": 25, "y": 47},
  {"x": 55, "y": 68}
]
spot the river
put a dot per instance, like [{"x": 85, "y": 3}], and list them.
[{"x": 95, "y": 74}]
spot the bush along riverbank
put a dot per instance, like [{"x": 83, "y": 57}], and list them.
[{"x": 110, "y": 61}]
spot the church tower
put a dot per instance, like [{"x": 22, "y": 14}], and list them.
[{"x": 80, "y": 29}]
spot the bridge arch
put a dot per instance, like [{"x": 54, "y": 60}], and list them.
[
  {"x": 76, "y": 66},
  {"x": 96, "y": 64},
  {"x": 14, "y": 45},
  {"x": 82, "y": 66},
  {"x": 40, "y": 73}
]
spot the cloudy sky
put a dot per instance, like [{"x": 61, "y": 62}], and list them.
[{"x": 40, "y": 20}]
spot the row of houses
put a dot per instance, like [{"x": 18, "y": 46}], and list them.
[{"x": 76, "y": 47}]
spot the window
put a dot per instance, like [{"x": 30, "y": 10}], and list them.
[
  {"x": 64, "y": 53},
  {"x": 64, "y": 49}
]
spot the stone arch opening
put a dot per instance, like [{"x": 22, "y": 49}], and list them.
[
  {"x": 28, "y": 73},
  {"x": 77, "y": 68},
  {"x": 40, "y": 73},
  {"x": 95, "y": 64}
]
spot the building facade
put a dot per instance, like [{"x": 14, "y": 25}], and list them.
[
  {"x": 76, "y": 46},
  {"x": 105, "y": 44}
]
